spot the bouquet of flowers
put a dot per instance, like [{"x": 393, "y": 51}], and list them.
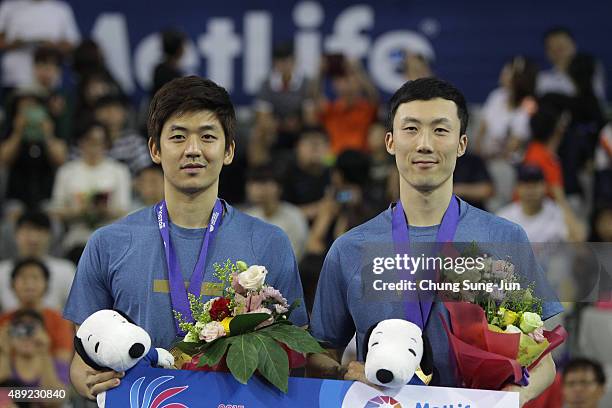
[
  {"x": 245, "y": 329},
  {"x": 497, "y": 329}
]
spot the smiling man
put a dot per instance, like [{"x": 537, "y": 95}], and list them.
[
  {"x": 426, "y": 132},
  {"x": 145, "y": 264}
]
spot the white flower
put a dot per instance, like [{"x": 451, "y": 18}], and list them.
[
  {"x": 212, "y": 331},
  {"x": 280, "y": 309},
  {"x": 253, "y": 278},
  {"x": 512, "y": 329}
]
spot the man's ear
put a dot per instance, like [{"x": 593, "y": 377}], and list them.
[
  {"x": 462, "y": 147},
  {"x": 366, "y": 340},
  {"x": 154, "y": 151},
  {"x": 390, "y": 143},
  {"x": 229, "y": 154}
]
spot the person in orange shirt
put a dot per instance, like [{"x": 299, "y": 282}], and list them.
[
  {"x": 29, "y": 279},
  {"x": 547, "y": 129},
  {"x": 348, "y": 117}
]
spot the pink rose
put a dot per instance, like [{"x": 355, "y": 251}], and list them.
[
  {"x": 212, "y": 331},
  {"x": 538, "y": 335},
  {"x": 254, "y": 301}
]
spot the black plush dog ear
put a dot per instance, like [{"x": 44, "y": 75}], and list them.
[
  {"x": 124, "y": 315},
  {"x": 366, "y": 340},
  {"x": 427, "y": 364},
  {"x": 78, "y": 347}
]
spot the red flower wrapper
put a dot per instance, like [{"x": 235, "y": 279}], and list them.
[
  {"x": 486, "y": 359},
  {"x": 296, "y": 360}
]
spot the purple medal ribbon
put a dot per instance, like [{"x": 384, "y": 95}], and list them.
[
  {"x": 417, "y": 311},
  {"x": 178, "y": 293}
]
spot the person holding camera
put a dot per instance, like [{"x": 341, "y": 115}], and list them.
[
  {"x": 30, "y": 281},
  {"x": 25, "y": 355},
  {"x": 30, "y": 150}
]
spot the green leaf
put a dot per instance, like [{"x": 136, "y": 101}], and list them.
[
  {"x": 215, "y": 351},
  {"x": 296, "y": 338},
  {"x": 188, "y": 348},
  {"x": 273, "y": 363},
  {"x": 245, "y": 323},
  {"x": 242, "y": 357}
]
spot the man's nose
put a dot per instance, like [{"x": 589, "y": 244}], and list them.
[
  {"x": 424, "y": 142},
  {"x": 193, "y": 147}
]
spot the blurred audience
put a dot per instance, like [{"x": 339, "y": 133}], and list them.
[
  {"x": 544, "y": 220},
  {"x": 308, "y": 175},
  {"x": 25, "y": 355},
  {"x": 31, "y": 150},
  {"x": 32, "y": 236},
  {"x": 92, "y": 190},
  {"x": 173, "y": 48},
  {"x": 264, "y": 190},
  {"x": 584, "y": 383},
  {"x": 126, "y": 145},
  {"x": 28, "y": 24},
  {"x": 347, "y": 116},
  {"x": 148, "y": 186},
  {"x": 30, "y": 281},
  {"x": 384, "y": 183},
  {"x": 416, "y": 66},
  {"x": 561, "y": 48},
  {"x": 282, "y": 98},
  {"x": 471, "y": 180}
]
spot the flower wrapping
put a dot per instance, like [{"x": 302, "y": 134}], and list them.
[{"x": 487, "y": 358}]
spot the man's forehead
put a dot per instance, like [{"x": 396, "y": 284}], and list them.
[
  {"x": 427, "y": 110},
  {"x": 193, "y": 119}
]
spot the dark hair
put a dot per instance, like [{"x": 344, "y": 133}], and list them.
[
  {"x": 582, "y": 70},
  {"x": 82, "y": 130},
  {"x": 87, "y": 57},
  {"x": 579, "y": 364},
  {"x": 263, "y": 174},
  {"x": 556, "y": 30},
  {"x": 354, "y": 167},
  {"x": 425, "y": 89},
  {"x": 313, "y": 131},
  {"x": 543, "y": 123},
  {"x": 527, "y": 173},
  {"x": 524, "y": 74},
  {"x": 172, "y": 42},
  {"x": 152, "y": 166},
  {"x": 191, "y": 94},
  {"x": 44, "y": 55},
  {"x": 36, "y": 218},
  {"x": 110, "y": 100},
  {"x": 26, "y": 262}
]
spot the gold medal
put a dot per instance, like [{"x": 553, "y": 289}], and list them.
[{"x": 180, "y": 357}]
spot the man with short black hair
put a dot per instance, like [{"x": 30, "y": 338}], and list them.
[
  {"x": 584, "y": 383},
  {"x": 426, "y": 132},
  {"x": 140, "y": 264}
]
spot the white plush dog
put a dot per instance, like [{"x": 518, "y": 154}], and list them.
[
  {"x": 396, "y": 349},
  {"x": 109, "y": 340}
]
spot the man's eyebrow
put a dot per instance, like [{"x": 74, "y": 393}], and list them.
[
  {"x": 409, "y": 119},
  {"x": 437, "y": 121},
  {"x": 444, "y": 121},
  {"x": 201, "y": 128}
]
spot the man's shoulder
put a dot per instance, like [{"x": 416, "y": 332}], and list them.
[
  {"x": 377, "y": 230},
  {"x": 242, "y": 223},
  {"x": 139, "y": 222},
  {"x": 483, "y": 225}
]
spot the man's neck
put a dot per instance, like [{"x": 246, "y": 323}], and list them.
[
  {"x": 425, "y": 208},
  {"x": 190, "y": 210}
]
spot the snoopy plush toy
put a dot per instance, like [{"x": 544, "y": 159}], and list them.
[
  {"x": 397, "y": 353},
  {"x": 109, "y": 340}
]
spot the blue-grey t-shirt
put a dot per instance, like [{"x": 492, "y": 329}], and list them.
[
  {"x": 124, "y": 267},
  {"x": 341, "y": 308}
]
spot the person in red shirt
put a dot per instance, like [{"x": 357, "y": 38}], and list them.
[
  {"x": 348, "y": 117},
  {"x": 547, "y": 129}
]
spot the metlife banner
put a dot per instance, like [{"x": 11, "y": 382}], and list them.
[
  {"x": 145, "y": 387},
  {"x": 231, "y": 42}
]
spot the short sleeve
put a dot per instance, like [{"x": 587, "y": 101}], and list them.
[
  {"x": 331, "y": 321},
  {"x": 90, "y": 289},
  {"x": 278, "y": 258}
]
